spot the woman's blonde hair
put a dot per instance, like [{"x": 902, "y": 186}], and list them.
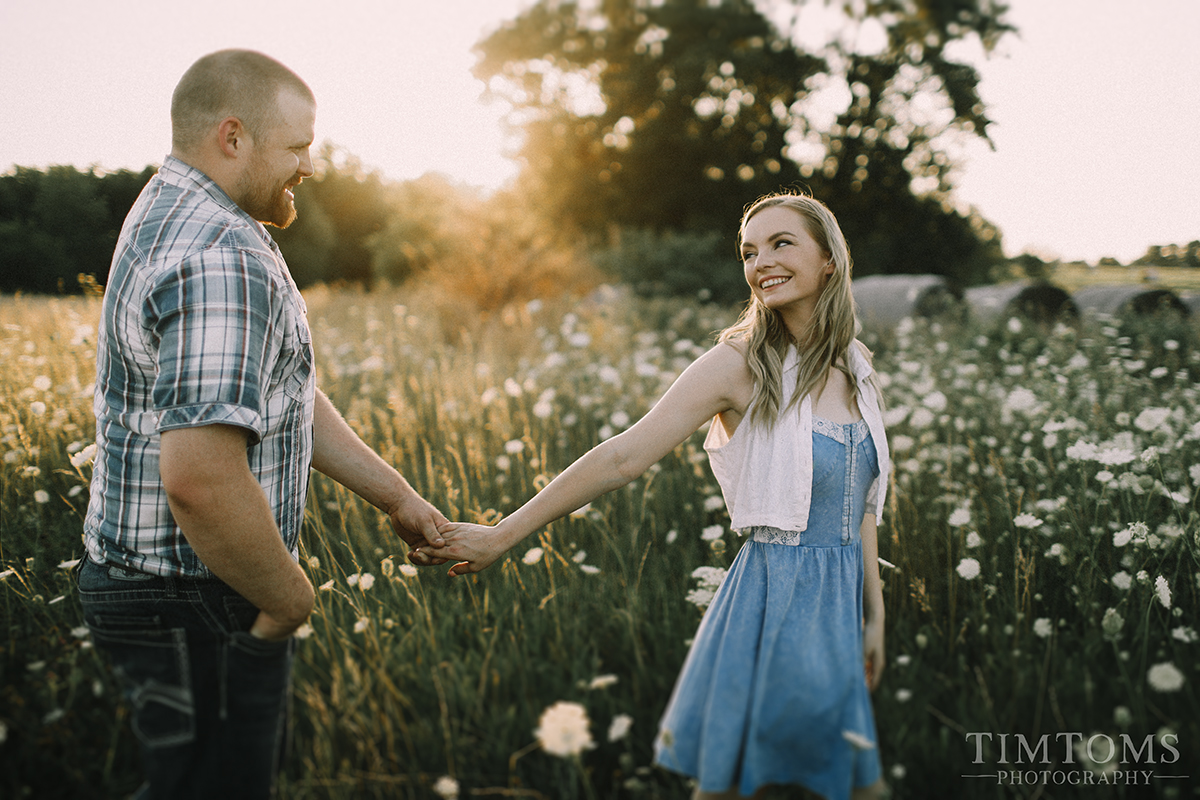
[{"x": 829, "y": 332}]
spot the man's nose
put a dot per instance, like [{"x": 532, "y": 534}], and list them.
[{"x": 306, "y": 165}]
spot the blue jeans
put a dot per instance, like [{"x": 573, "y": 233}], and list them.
[{"x": 210, "y": 703}]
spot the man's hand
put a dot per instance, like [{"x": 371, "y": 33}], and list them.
[
  {"x": 416, "y": 522},
  {"x": 270, "y": 629}
]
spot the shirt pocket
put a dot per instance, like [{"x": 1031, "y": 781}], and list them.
[{"x": 297, "y": 360}]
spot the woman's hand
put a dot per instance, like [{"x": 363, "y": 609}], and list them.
[
  {"x": 873, "y": 652},
  {"x": 475, "y": 547}
]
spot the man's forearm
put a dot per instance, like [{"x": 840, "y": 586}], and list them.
[{"x": 339, "y": 453}]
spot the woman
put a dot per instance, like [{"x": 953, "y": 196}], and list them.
[{"x": 772, "y": 691}]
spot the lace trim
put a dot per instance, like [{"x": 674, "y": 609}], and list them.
[
  {"x": 775, "y": 536},
  {"x": 837, "y": 431}
]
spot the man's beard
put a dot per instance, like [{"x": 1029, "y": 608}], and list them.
[{"x": 268, "y": 203}]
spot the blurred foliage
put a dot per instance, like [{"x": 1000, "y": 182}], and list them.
[
  {"x": 671, "y": 263},
  {"x": 59, "y": 223},
  {"x": 58, "y": 229},
  {"x": 674, "y": 115},
  {"x": 1172, "y": 255}
]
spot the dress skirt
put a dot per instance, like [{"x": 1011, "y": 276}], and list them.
[{"x": 773, "y": 690}]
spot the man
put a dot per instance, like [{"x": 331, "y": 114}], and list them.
[{"x": 208, "y": 420}]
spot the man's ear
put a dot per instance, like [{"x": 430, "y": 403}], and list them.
[{"x": 232, "y": 137}]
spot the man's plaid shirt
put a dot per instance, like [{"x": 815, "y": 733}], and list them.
[{"x": 202, "y": 324}]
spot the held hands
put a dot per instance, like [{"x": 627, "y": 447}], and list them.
[
  {"x": 476, "y": 547},
  {"x": 416, "y": 522}
]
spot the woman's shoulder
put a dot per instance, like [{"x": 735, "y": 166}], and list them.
[
  {"x": 862, "y": 360},
  {"x": 730, "y": 356}
]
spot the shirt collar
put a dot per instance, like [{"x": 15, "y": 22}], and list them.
[{"x": 184, "y": 176}]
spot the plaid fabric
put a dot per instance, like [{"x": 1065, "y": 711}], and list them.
[{"x": 201, "y": 324}]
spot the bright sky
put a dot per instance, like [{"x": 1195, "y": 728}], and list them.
[{"x": 1097, "y": 104}]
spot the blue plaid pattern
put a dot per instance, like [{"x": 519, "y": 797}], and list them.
[{"x": 201, "y": 324}]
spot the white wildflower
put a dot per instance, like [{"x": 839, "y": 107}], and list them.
[
  {"x": 1112, "y": 624},
  {"x": 959, "y": 517},
  {"x": 532, "y": 555},
  {"x": 446, "y": 788},
  {"x": 602, "y": 681},
  {"x": 41, "y": 497},
  {"x": 1151, "y": 419},
  {"x": 588, "y": 569},
  {"x": 1163, "y": 590},
  {"x": 934, "y": 401},
  {"x": 1165, "y": 677},
  {"x": 921, "y": 418},
  {"x": 361, "y": 624},
  {"x": 1021, "y": 399},
  {"x": 514, "y": 446},
  {"x": 974, "y": 540},
  {"x": 1115, "y": 456},
  {"x": 563, "y": 730},
  {"x": 407, "y": 570},
  {"x": 1184, "y": 634},
  {"x": 1043, "y": 627},
  {"x": 903, "y": 695},
  {"x": 1082, "y": 451},
  {"x": 85, "y": 456},
  {"x": 619, "y": 728},
  {"x": 1027, "y": 521},
  {"x": 712, "y": 532},
  {"x": 968, "y": 568}
]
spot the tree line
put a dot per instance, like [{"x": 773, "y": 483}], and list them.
[{"x": 647, "y": 127}]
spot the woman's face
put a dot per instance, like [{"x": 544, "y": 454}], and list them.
[{"x": 784, "y": 266}]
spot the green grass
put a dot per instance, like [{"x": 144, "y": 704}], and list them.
[{"x": 419, "y": 677}]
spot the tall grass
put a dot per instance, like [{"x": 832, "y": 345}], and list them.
[{"x": 1055, "y": 464}]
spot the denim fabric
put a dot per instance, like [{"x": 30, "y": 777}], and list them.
[
  {"x": 773, "y": 689},
  {"x": 209, "y": 702}
]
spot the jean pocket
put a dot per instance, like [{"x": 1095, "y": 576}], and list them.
[
  {"x": 253, "y": 646},
  {"x": 151, "y": 661}
]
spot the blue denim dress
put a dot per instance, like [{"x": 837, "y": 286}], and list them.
[{"x": 773, "y": 689}]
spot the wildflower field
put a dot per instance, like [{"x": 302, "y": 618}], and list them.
[{"x": 1040, "y": 551}]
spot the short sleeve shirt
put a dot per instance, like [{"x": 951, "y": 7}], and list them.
[{"x": 201, "y": 324}]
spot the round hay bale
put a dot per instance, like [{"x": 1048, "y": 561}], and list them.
[
  {"x": 1129, "y": 299},
  {"x": 884, "y": 300},
  {"x": 1041, "y": 303}
]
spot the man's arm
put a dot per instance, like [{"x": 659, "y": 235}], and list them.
[
  {"x": 339, "y": 453},
  {"x": 227, "y": 520}
]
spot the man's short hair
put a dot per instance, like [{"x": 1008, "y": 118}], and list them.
[{"x": 230, "y": 83}]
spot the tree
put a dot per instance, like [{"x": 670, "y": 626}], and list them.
[
  {"x": 338, "y": 210},
  {"x": 673, "y": 115}
]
